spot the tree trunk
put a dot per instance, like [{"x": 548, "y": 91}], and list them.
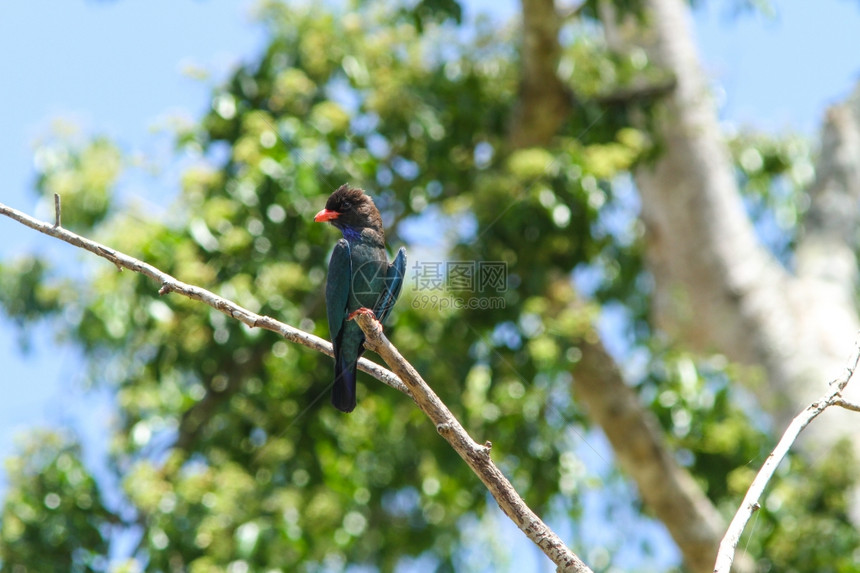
[
  {"x": 544, "y": 102},
  {"x": 666, "y": 488},
  {"x": 716, "y": 287}
]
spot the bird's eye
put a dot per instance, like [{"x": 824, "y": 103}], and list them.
[{"x": 346, "y": 206}]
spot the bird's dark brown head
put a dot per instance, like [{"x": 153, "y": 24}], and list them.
[{"x": 350, "y": 209}]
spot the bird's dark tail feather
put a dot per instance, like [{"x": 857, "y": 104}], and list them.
[{"x": 343, "y": 391}]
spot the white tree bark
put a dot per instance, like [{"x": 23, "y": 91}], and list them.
[
  {"x": 666, "y": 488},
  {"x": 717, "y": 289}
]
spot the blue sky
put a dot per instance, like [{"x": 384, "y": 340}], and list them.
[
  {"x": 781, "y": 73},
  {"x": 115, "y": 68}
]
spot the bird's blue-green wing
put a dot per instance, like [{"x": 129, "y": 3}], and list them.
[
  {"x": 347, "y": 348},
  {"x": 393, "y": 284},
  {"x": 337, "y": 289}
]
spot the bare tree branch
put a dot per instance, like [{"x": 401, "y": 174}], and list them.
[
  {"x": 171, "y": 284},
  {"x": 716, "y": 287},
  {"x": 475, "y": 455},
  {"x": 750, "y": 503},
  {"x": 58, "y": 221},
  {"x": 639, "y": 91},
  {"x": 842, "y": 403},
  {"x": 665, "y": 487}
]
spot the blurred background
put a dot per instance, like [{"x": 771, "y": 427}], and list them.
[{"x": 147, "y": 433}]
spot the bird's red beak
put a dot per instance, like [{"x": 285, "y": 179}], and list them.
[{"x": 326, "y": 215}]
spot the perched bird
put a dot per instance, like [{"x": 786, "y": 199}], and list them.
[{"x": 359, "y": 276}]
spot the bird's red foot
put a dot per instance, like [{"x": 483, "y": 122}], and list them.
[{"x": 362, "y": 310}]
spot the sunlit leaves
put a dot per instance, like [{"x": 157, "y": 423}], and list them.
[
  {"x": 698, "y": 406},
  {"x": 784, "y": 534},
  {"x": 228, "y": 455},
  {"x": 83, "y": 172},
  {"x": 26, "y": 292},
  {"x": 53, "y": 515},
  {"x": 774, "y": 173}
]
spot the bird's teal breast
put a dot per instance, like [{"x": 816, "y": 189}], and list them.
[{"x": 368, "y": 276}]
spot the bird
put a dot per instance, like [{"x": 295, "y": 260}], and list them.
[{"x": 359, "y": 277}]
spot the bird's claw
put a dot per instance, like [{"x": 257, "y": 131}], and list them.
[{"x": 362, "y": 310}]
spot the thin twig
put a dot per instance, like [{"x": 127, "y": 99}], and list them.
[
  {"x": 750, "y": 504},
  {"x": 842, "y": 403},
  {"x": 58, "y": 221},
  {"x": 474, "y": 454},
  {"x": 170, "y": 284}
]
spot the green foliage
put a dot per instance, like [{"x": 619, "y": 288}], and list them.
[
  {"x": 774, "y": 174},
  {"x": 82, "y": 171},
  {"x": 266, "y": 472},
  {"x": 785, "y": 535},
  {"x": 804, "y": 524},
  {"x": 26, "y": 291},
  {"x": 228, "y": 455},
  {"x": 434, "y": 11},
  {"x": 698, "y": 405},
  {"x": 53, "y": 516}
]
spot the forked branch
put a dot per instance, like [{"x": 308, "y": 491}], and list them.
[
  {"x": 475, "y": 455},
  {"x": 750, "y": 504}
]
